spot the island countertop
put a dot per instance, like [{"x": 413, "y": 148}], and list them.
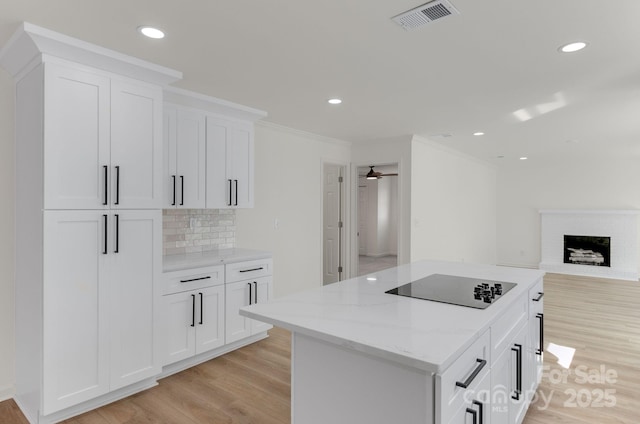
[{"x": 359, "y": 315}]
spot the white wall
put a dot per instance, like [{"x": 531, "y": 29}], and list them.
[
  {"x": 288, "y": 178},
  {"x": 453, "y": 205},
  {"x": 525, "y": 187},
  {"x": 7, "y": 184}
]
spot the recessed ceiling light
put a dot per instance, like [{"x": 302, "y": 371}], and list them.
[
  {"x": 524, "y": 158},
  {"x": 372, "y": 279},
  {"x": 151, "y": 32},
  {"x": 573, "y": 47},
  {"x": 478, "y": 133},
  {"x": 335, "y": 101}
]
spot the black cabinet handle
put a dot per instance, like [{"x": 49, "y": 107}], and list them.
[
  {"x": 252, "y": 269},
  {"x": 117, "y": 219},
  {"x": 480, "y": 406},
  {"x": 256, "y": 292},
  {"x": 174, "y": 190},
  {"x": 106, "y": 185},
  {"x": 117, "y": 202},
  {"x": 518, "y": 350},
  {"x": 106, "y": 235},
  {"x": 473, "y": 375},
  {"x": 541, "y": 348},
  {"x": 230, "y": 193},
  {"x": 537, "y": 299},
  {"x": 195, "y": 279},
  {"x": 201, "y": 313},
  {"x": 250, "y": 294},
  {"x": 236, "y": 204},
  {"x": 193, "y": 310},
  {"x": 181, "y": 190},
  {"x": 474, "y": 415}
]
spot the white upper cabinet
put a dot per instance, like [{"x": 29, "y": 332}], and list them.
[
  {"x": 209, "y": 145},
  {"x": 102, "y": 139},
  {"x": 77, "y": 138},
  {"x": 136, "y": 145},
  {"x": 185, "y": 158},
  {"x": 230, "y": 159}
]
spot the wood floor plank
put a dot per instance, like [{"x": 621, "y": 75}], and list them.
[{"x": 599, "y": 318}]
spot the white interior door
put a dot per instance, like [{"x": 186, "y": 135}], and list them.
[
  {"x": 362, "y": 219},
  {"x": 331, "y": 223}
]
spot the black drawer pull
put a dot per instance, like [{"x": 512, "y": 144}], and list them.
[
  {"x": 541, "y": 348},
  {"x": 193, "y": 310},
  {"x": 473, "y": 375},
  {"x": 196, "y": 279},
  {"x": 474, "y": 414},
  {"x": 537, "y": 299},
  {"x": 250, "y": 294},
  {"x": 518, "y": 350},
  {"x": 202, "y": 310},
  {"x": 252, "y": 269},
  {"x": 173, "y": 177},
  {"x": 106, "y": 184},
  {"x": 230, "y": 193},
  {"x": 480, "y": 408},
  {"x": 117, "y": 202}
]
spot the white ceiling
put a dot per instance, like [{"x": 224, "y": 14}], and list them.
[{"x": 493, "y": 68}]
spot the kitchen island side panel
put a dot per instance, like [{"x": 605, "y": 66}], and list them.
[{"x": 338, "y": 385}]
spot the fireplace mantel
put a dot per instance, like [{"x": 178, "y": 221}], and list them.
[{"x": 620, "y": 225}]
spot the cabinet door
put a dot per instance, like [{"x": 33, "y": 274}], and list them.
[
  {"x": 178, "y": 329},
  {"x": 219, "y": 184},
  {"x": 236, "y": 326},
  {"x": 263, "y": 287},
  {"x": 190, "y": 159},
  {"x": 136, "y": 145},
  {"x": 136, "y": 262},
  {"x": 77, "y": 134},
  {"x": 240, "y": 164},
  {"x": 210, "y": 319},
  {"x": 509, "y": 382},
  {"x": 75, "y": 351},
  {"x": 169, "y": 172}
]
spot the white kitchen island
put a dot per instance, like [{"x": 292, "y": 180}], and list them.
[{"x": 360, "y": 355}]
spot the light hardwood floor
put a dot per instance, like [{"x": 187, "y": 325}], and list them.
[{"x": 597, "y": 317}]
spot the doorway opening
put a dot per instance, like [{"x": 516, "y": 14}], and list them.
[
  {"x": 377, "y": 218},
  {"x": 333, "y": 231}
]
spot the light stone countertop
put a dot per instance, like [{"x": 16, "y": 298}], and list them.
[
  {"x": 214, "y": 257},
  {"x": 359, "y": 315}
]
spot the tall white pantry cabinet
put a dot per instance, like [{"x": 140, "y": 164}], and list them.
[{"x": 88, "y": 222}]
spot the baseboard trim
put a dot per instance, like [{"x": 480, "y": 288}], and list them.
[
  {"x": 73, "y": 411},
  {"x": 7, "y": 392}
]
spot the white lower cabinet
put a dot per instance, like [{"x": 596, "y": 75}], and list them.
[
  {"x": 98, "y": 314},
  {"x": 200, "y": 310},
  {"x": 476, "y": 406},
  {"x": 244, "y": 293},
  {"x": 194, "y": 322}
]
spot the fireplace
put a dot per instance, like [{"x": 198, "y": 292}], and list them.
[{"x": 587, "y": 250}]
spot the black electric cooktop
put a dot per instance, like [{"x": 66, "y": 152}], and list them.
[{"x": 472, "y": 292}]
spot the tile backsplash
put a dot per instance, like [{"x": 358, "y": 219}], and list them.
[{"x": 197, "y": 230}]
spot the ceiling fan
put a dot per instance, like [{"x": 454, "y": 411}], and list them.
[{"x": 373, "y": 175}]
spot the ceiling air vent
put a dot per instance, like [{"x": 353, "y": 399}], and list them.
[{"x": 425, "y": 14}]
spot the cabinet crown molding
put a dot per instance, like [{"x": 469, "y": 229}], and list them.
[
  {"x": 33, "y": 44},
  {"x": 223, "y": 108}
]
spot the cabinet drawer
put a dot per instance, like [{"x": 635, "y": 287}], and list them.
[
  {"x": 192, "y": 279},
  {"x": 248, "y": 270},
  {"x": 452, "y": 395},
  {"x": 536, "y": 301},
  {"x": 476, "y": 404},
  {"x": 507, "y": 325}
]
